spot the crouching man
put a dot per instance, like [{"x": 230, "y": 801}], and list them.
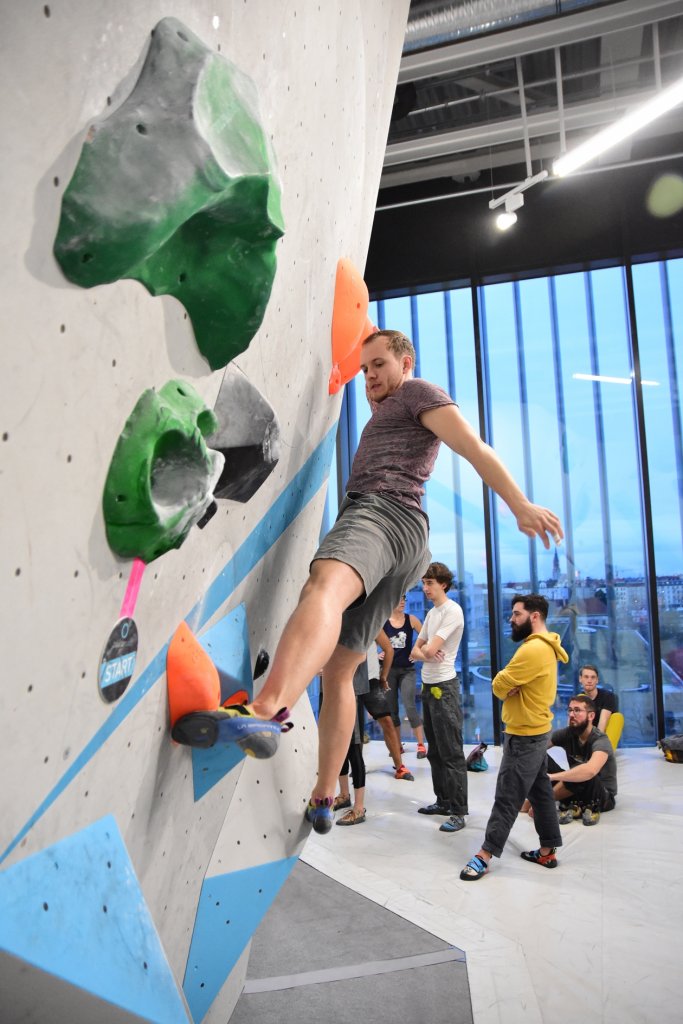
[{"x": 589, "y": 786}]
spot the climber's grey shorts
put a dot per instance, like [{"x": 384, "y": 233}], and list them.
[{"x": 387, "y": 544}]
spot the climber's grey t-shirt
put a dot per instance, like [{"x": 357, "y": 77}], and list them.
[{"x": 396, "y": 454}]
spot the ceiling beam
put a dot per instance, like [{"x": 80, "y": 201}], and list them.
[
  {"x": 577, "y": 117},
  {"x": 532, "y": 38}
]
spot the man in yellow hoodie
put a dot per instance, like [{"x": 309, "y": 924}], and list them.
[{"x": 527, "y": 687}]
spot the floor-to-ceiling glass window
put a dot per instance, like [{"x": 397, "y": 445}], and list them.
[
  {"x": 608, "y": 599},
  {"x": 454, "y": 497},
  {"x": 550, "y": 366},
  {"x": 658, "y": 290}
]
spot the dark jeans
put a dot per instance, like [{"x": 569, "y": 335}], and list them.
[
  {"x": 523, "y": 774},
  {"x": 591, "y": 793},
  {"x": 443, "y": 732}
]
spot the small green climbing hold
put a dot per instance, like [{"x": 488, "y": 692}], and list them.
[
  {"x": 177, "y": 189},
  {"x": 162, "y": 474}
]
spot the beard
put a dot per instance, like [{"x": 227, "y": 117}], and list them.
[
  {"x": 576, "y": 728},
  {"x": 522, "y": 631}
]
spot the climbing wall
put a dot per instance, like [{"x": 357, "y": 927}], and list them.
[{"x": 134, "y": 871}]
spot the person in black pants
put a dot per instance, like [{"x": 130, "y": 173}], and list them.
[{"x": 589, "y": 786}]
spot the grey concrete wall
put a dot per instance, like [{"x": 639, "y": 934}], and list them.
[{"x": 74, "y": 363}]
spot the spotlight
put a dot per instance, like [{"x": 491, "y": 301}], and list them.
[
  {"x": 505, "y": 221},
  {"x": 513, "y": 202}
]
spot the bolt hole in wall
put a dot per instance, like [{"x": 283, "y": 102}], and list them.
[{"x": 560, "y": 402}]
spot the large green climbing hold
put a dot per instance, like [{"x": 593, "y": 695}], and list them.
[
  {"x": 178, "y": 189},
  {"x": 162, "y": 474}
]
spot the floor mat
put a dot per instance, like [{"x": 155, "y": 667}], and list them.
[{"x": 324, "y": 953}]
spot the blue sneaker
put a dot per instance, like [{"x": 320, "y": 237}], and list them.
[
  {"x": 319, "y": 813},
  {"x": 257, "y": 737}
]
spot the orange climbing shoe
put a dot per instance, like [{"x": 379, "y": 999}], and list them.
[{"x": 257, "y": 737}]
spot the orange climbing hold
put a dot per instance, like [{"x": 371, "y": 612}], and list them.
[
  {"x": 350, "y": 366},
  {"x": 193, "y": 681},
  {"x": 238, "y": 697},
  {"x": 349, "y": 311},
  {"x": 349, "y": 317}
]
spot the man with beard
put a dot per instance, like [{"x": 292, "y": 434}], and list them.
[
  {"x": 373, "y": 554},
  {"x": 527, "y": 686},
  {"x": 589, "y": 786}
]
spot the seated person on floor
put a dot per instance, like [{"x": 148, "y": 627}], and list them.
[
  {"x": 605, "y": 701},
  {"x": 589, "y": 786}
]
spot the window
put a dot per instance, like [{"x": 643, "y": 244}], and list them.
[{"x": 550, "y": 365}]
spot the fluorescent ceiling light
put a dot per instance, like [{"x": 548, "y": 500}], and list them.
[
  {"x": 613, "y": 380},
  {"x": 626, "y": 126}
]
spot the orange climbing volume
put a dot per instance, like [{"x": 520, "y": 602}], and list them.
[{"x": 193, "y": 681}]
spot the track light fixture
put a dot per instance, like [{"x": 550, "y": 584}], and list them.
[
  {"x": 506, "y": 219},
  {"x": 512, "y": 201}
]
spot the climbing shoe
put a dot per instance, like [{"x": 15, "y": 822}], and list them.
[
  {"x": 546, "y": 860},
  {"x": 569, "y": 813},
  {"x": 421, "y": 751},
  {"x": 403, "y": 773},
  {"x": 455, "y": 823},
  {"x": 591, "y": 815},
  {"x": 319, "y": 814},
  {"x": 257, "y": 737},
  {"x": 435, "y": 808},
  {"x": 475, "y": 869}
]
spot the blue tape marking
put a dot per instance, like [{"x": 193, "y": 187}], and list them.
[{"x": 279, "y": 516}]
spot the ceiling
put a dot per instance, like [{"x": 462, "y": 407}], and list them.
[{"x": 489, "y": 89}]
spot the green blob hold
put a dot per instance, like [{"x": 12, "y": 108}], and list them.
[
  {"x": 177, "y": 189},
  {"x": 162, "y": 474}
]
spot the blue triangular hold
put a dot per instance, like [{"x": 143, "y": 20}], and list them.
[
  {"x": 76, "y": 910},
  {"x": 230, "y": 910},
  {"x": 227, "y": 644}
]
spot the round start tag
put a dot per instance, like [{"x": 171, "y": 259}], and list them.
[{"x": 118, "y": 660}]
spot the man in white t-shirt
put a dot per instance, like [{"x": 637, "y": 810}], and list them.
[{"x": 437, "y": 648}]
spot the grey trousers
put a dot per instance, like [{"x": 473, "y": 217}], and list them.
[
  {"x": 443, "y": 732},
  {"x": 523, "y": 774},
  {"x": 403, "y": 679}
]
